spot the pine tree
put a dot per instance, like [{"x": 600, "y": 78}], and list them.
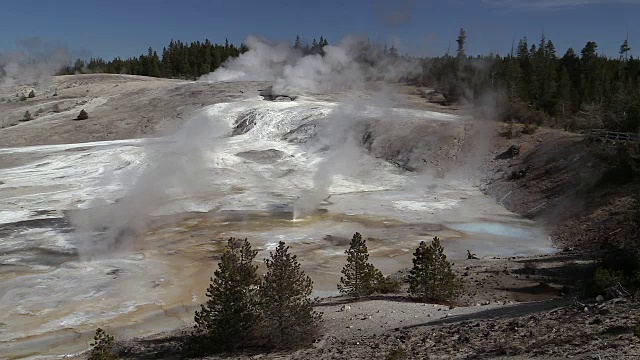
[
  {"x": 102, "y": 346},
  {"x": 27, "y": 116},
  {"x": 360, "y": 277},
  {"x": 542, "y": 46},
  {"x": 591, "y": 87},
  {"x": 563, "y": 93},
  {"x": 321, "y": 44},
  {"x": 624, "y": 50},
  {"x": 229, "y": 318},
  {"x": 285, "y": 303},
  {"x": 393, "y": 52},
  {"x": 513, "y": 77},
  {"x": 590, "y": 50},
  {"x": 32, "y": 94},
  {"x": 522, "y": 51},
  {"x": 296, "y": 45},
  {"x": 431, "y": 277},
  {"x": 550, "y": 50},
  {"x": 462, "y": 39},
  {"x": 167, "y": 67},
  {"x": 216, "y": 60}
]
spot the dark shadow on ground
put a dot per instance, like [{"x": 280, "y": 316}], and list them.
[
  {"x": 164, "y": 348},
  {"x": 575, "y": 269},
  {"x": 562, "y": 256},
  {"x": 508, "y": 311},
  {"x": 349, "y": 300},
  {"x": 540, "y": 289}
]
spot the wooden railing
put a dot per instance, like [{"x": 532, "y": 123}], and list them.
[{"x": 604, "y": 135}]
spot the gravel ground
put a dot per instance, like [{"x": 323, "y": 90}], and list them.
[{"x": 510, "y": 308}]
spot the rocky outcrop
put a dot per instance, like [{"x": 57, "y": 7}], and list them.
[
  {"x": 301, "y": 134},
  {"x": 415, "y": 145},
  {"x": 269, "y": 95},
  {"x": 245, "y": 122}
]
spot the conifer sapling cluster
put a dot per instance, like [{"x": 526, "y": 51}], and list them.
[{"x": 244, "y": 310}]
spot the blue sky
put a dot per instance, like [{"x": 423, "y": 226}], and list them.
[{"x": 127, "y": 28}]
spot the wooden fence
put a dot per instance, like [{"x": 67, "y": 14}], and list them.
[{"x": 613, "y": 136}]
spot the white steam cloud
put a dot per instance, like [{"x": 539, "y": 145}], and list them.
[
  {"x": 175, "y": 168},
  {"x": 346, "y": 66},
  {"x": 350, "y": 65},
  {"x": 33, "y": 62},
  {"x": 338, "y": 139}
]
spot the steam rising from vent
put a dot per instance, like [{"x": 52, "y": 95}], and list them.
[
  {"x": 263, "y": 62},
  {"x": 174, "y": 169},
  {"x": 342, "y": 150},
  {"x": 346, "y": 66},
  {"x": 34, "y": 61}
]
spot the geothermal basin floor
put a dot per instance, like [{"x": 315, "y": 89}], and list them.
[{"x": 127, "y": 233}]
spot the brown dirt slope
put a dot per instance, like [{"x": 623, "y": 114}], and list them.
[{"x": 566, "y": 181}]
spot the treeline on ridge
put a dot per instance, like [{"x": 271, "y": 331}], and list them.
[
  {"x": 177, "y": 60},
  {"x": 575, "y": 91},
  {"x": 532, "y": 84}
]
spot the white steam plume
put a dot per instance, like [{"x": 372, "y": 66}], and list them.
[
  {"x": 349, "y": 65},
  {"x": 339, "y": 139},
  {"x": 346, "y": 66},
  {"x": 174, "y": 168},
  {"x": 263, "y": 62},
  {"x": 33, "y": 62}
]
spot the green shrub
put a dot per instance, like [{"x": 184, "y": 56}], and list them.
[
  {"x": 230, "y": 317},
  {"x": 624, "y": 164},
  {"x": 431, "y": 277},
  {"x": 360, "y": 277},
  {"x": 621, "y": 264},
  {"x": 387, "y": 285},
  {"x": 102, "y": 344},
  {"x": 82, "y": 115},
  {"x": 396, "y": 354},
  {"x": 625, "y": 259},
  {"x": 604, "y": 278},
  {"x": 510, "y": 131},
  {"x": 529, "y": 128},
  {"x": 27, "y": 116},
  {"x": 636, "y": 331},
  {"x": 525, "y": 114}
]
